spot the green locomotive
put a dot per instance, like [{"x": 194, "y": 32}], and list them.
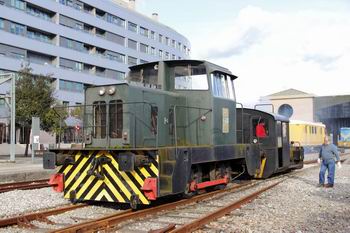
[{"x": 170, "y": 129}]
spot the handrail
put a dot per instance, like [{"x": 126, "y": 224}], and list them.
[
  {"x": 238, "y": 103},
  {"x": 273, "y": 107}
]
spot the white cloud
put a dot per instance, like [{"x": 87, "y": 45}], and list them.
[{"x": 306, "y": 50}]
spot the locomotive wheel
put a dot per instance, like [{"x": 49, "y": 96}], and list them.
[
  {"x": 187, "y": 194},
  {"x": 220, "y": 172},
  {"x": 196, "y": 175}
]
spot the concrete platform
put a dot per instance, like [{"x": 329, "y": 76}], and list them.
[{"x": 23, "y": 169}]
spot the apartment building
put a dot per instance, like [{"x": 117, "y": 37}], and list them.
[{"x": 85, "y": 42}]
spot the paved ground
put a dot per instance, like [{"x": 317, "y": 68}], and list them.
[{"x": 23, "y": 169}]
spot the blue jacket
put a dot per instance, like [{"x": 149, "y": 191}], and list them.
[{"x": 328, "y": 152}]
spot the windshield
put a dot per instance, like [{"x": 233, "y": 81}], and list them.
[
  {"x": 188, "y": 77},
  {"x": 144, "y": 75}
]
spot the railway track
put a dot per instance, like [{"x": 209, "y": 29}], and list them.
[
  {"x": 116, "y": 221},
  {"x": 215, "y": 214},
  {"x": 25, "y": 220},
  {"x": 35, "y": 184},
  {"x": 173, "y": 217}
]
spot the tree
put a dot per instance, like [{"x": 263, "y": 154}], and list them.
[
  {"x": 34, "y": 98},
  {"x": 54, "y": 120}
]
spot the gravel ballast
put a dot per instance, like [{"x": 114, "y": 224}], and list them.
[
  {"x": 25, "y": 201},
  {"x": 296, "y": 205}
]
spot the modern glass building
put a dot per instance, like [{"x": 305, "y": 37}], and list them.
[{"x": 82, "y": 42}]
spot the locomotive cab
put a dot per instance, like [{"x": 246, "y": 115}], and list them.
[{"x": 277, "y": 154}]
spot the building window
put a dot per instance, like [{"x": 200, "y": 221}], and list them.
[
  {"x": 160, "y": 54},
  {"x": 132, "y": 27},
  {"x": 17, "y": 55},
  {"x": 72, "y": 44},
  {"x": 38, "y": 36},
  {"x": 143, "y": 48},
  {"x": 2, "y": 25},
  {"x": 167, "y": 41},
  {"x": 38, "y": 13},
  {"x": 153, "y": 51},
  {"x": 144, "y": 31},
  {"x": 79, "y": 26},
  {"x": 132, "y": 61},
  {"x": 79, "y": 66},
  {"x": 132, "y": 44},
  {"x": 76, "y": 4},
  {"x": 173, "y": 43},
  {"x": 160, "y": 38},
  {"x": 115, "y": 20},
  {"x": 71, "y": 65},
  {"x": 179, "y": 46},
  {"x": 173, "y": 57},
  {"x": 285, "y": 110},
  {"x": 167, "y": 56},
  {"x": 153, "y": 35},
  {"x": 18, "y": 4},
  {"x": 65, "y": 104},
  {"x": 71, "y": 86},
  {"x": 17, "y": 29},
  {"x": 116, "y": 57}
]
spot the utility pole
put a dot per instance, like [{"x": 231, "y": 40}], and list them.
[
  {"x": 13, "y": 118},
  {"x": 4, "y": 78}
]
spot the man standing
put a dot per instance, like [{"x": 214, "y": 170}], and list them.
[{"x": 329, "y": 156}]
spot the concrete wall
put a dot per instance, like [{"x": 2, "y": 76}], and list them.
[{"x": 303, "y": 108}]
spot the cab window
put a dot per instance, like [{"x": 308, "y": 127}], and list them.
[
  {"x": 190, "y": 77},
  {"x": 99, "y": 119},
  {"x": 146, "y": 76},
  {"x": 116, "y": 118},
  {"x": 260, "y": 127},
  {"x": 222, "y": 85}
]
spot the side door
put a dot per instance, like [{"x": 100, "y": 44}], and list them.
[{"x": 285, "y": 144}]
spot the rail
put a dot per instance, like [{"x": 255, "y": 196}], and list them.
[
  {"x": 35, "y": 184},
  {"x": 24, "y": 220}
]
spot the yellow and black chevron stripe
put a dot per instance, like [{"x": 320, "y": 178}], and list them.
[{"x": 117, "y": 186}]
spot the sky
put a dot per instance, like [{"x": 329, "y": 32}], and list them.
[{"x": 271, "y": 45}]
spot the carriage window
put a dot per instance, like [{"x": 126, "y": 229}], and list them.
[
  {"x": 116, "y": 118},
  {"x": 260, "y": 127},
  {"x": 99, "y": 119},
  {"x": 189, "y": 77},
  {"x": 222, "y": 85}
]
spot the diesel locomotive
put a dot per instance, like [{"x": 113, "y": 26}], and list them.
[{"x": 172, "y": 128}]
